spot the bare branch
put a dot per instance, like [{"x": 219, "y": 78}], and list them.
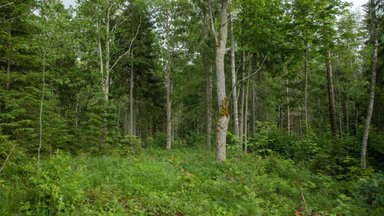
[
  {"x": 129, "y": 48},
  {"x": 249, "y": 76},
  {"x": 213, "y": 30},
  {"x": 16, "y": 17},
  {"x": 7, "y": 158},
  {"x": 5, "y": 5},
  {"x": 100, "y": 49}
]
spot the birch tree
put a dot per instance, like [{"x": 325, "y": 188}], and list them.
[
  {"x": 374, "y": 40},
  {"x": 223, "y": 114}
]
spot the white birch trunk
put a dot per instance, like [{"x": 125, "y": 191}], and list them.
[
  {"x": 234, "y": 80},
  {"x": 373, "y": 86},
  {"x": 223, "y": 118},
  {"x": 41, "y": 116}
]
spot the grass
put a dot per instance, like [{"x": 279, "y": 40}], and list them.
[{"x": 179, "y": 182}]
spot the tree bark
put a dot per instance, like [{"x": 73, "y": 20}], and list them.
[
  {"x": 169, "y": 86},
  {"x": 77, "y": 112},
  {"x": 106, "y": 78},
  {"x": 101, "y": 62},
  {"x": 375, "y": 39},
  {"x": 223, "y": 118},
  {"x": 331, "y": 94},
  {"x": 288, "y": 105},
  {"x": 169, "y": 107},
  {"x": 254, "y": 107},
  {"x": 41, "y": 116},
  {"x": 131, "y": 119},
  {"x": 347, "y": 113},
  {"x": 9, "y": 60},
  {"x": 208, "y": 66},
  {"x": 242, "y": 103},
  {"x": 306, "y": 89},
  {"x": 246, "y": 126},
  {"x": 8, "y": 74},
  {"x": 341, "y": 117},
  {"x": 234, "y": 88},
  {"x": 208, "y": 94}
]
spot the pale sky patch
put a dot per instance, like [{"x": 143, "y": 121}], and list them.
[
  {"x": 68, "y": 3},
  {"x": 357, "y": 4}
]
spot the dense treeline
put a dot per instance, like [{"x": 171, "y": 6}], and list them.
[{"x": 300, "y": 79}]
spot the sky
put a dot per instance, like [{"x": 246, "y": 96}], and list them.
[
  {"x": 358, "y": 3},
  {"x": 67, "y": 3}
]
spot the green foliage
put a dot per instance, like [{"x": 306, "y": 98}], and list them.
[
  {"x": 129, "y": 144},
  {"x": 372, "y": 190},
  {"x": 54, "y": 190},
  {"x": 339, "y": 157},
  {"x": 159, "y": 140},
  {"x": 179, "y": 182},
  {"x": 194, "y": 139},
  {"x": 376, "y": 150},
  {"x": 270, "y": 139},
  {"x": 232, "y": 142}
]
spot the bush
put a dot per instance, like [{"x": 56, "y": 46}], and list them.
[
  {"x": 372, "y": 190},
  {"x": 193, "y": 139},
  {"x": 57, "y": 188},
  {"x": 158, "y": 141},
  {"x": 270, "y": 139},
  {"x": 131, "y": 141}
]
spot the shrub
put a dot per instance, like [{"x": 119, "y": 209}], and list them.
[
  {"x": 372, "y": 189},
  {"x": 130, "y": 141},
  {"x": 55, "y": 189},
  {"x": 270, "y": 139}
]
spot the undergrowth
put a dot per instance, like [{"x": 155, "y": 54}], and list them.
[{"x": 184, "y": 181}]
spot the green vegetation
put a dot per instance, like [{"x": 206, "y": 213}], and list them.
[
  {"x": 180, "y": 182},
  {"x": 289, "y": 95}
]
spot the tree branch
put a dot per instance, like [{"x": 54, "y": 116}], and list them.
[
  {"x": 249, "y": 76},
  {"x": 213, "y": 30},
  {"x": 129, "y": 48},
  {"x": 7, "y": 158},
  {"x": 5, "y": 5}
]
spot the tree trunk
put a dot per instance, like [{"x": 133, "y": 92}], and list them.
[
  {"x": 246, "y": 126},
  {"x": 347, "y": 113},
  {"x": 208, "y": 66},
  {"x": 169, "y": 86},
  {"x": 107, "y": 58},
  {"x": 234, "y": 89},
  {"x": 9, "y": 60},
  {"x": 101, "y": 62},
  {"x": 341, "y": 117},
  {"x": 41, "y": 116},
  {"x": 169, "y": 105},
  {"x": 254, "y": 107},
  {"x": 77, "y": 112},
  {"x": 131, "y": 120},
  {"x": 373, "y": 85},
  {"x": 331, "y": 94},
  {"x": 8, "y": 74},
  {"x": 306, "y": 89},
  {"x": 288, "y": 106},
  {"x": 223, "y": 118},
  {"x": 107, "y": 74},
  {"x": 242, "y": 102},
  {"x": 208, "y": 95}
]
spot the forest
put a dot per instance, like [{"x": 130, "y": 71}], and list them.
[{"x": 191, "y": 107}]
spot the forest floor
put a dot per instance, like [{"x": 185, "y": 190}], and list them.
[{"x": 185, "y": 181}]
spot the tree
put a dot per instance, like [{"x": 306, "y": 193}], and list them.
[
  {"x": 374, "y": 41},
  {"x": 327, "y": 12},
  {"x": 223, "y": 115},
  {"x": 234, "y": 80}
]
